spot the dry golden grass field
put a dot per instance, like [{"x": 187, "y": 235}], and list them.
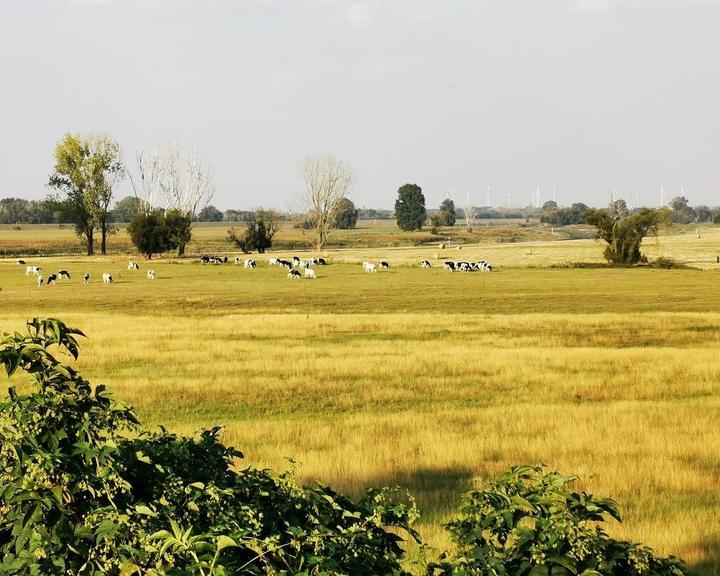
[{"x": 426, "y": 378}]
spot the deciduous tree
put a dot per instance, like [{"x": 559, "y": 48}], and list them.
[
  {"x": 87, "y": 168},
  {"x": 623, "y": 232},
  {"x": 327, "y": 181},
  {"x": 410, "y": 212},
  {"x": 347, "y": 216},
  {"x": 149, "y": 233},
  {"x": 447, "y": 212},
  {"x": 258, "y": 233}
]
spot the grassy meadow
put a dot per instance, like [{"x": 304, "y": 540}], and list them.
[{"x": 425, "y": 378}]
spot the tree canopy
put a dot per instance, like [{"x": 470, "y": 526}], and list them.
[
  {"x": 86, "y": 170},
  {"x": 149, "y": 233},
  {"x": 623, "y": 231},
  {"x": 210, "y": 214},
  {"x": 347, "y": 215},
  {"x": 681, "y": 212},
  {"x": 126, "y": 208},
  {"x": 327, "y": 181},
  {"x": 258, "y": 233},
  {"x": 447, "y": 213},
  {"x": 410, "y": 212}
]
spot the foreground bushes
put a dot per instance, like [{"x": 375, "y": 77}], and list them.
[{"x": 84, "y": 489}]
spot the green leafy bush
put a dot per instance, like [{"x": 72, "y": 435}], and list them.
[
  {"x": 84, "y": 489},
  {"x": 532, "y": 523}
]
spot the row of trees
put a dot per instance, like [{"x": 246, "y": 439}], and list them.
[
  {"x": 89, "y": 168},
  {"x": 172, "y": 191}
]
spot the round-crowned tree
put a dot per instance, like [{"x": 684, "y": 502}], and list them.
[
  {"x": 347, "y": 216},
  {"x": 149, "y": 233},
  {"x": 447, "y": 212},
  {"x": 410, "y": 213}
]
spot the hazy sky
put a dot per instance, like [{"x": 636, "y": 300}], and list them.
[{"x": 454, "y": 95}]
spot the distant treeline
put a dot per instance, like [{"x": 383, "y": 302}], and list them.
[{"x": 21, "y": 211}]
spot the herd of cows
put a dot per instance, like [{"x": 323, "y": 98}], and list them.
[
  {"x": 53, "y": 277},
  {"x": 294, "y": 266}
]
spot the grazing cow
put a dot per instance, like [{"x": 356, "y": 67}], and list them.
[
  {"x": 64, "y": 275},
  {"x": 285, "y": 264},
  {"x": 272, "y": 261},
  {"x": 20, "y": 262},
  {"x": 370, "y": 267},
  {"x": 321, "y": 261},
  {"x": 51, "y": 279},
  {"x": 32, "y": 270},
  {"x": 310, "y": 273},
  {"x": 450, "y": 266},
  {"x": 225, "y": 259},
  {"x": 205, "y": 259},
  {"x": 463, "y": 267},
  {"x": 151, "y": 274},
  {"x": 107, "y": 278},
  {"x": 384, "y": 265},
  {"x": 86, "y": 278},
  {"x": 249, "y": 263},
  {"x": 313, "y": 260},
  {"x": 39, "y": 280},
  {"x": 238, "y": 260},
  {"x": 425, "y": 264},
  {"x": 133, "y": 266},
  {"x": 293, "y": 274},
  {"x": 488, "y": 267}
]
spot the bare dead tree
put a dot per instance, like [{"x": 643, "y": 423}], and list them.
[
  {"x": 182, "y": 181},
  {"x": 147, "y": 190},
  {"x": 469, "y": 211},
  {"x": 327, "y": 181}
]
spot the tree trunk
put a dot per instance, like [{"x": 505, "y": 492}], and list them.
[
  {"x": 181, "y": 250},
  {"x": 89, "y": 238},
  {"x": 103, "y": 239}
]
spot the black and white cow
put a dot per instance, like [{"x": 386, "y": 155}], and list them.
[
  {"x": 293, "y": 274},
  {"x": 449, "y": 266},
  {"x": 384, "y": 265},
  {"x": 51, "y": 279},
  {"x": 63, "y": 275},
  {"x": 86, "y": 278},
  {"x": 425, "y": 264},
  {"x": 133, "y": 265}
]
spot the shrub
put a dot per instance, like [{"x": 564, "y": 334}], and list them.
[
  {"x": 149, "y": 233},
  {"x": 532, "y": 523},
  {"x": 258, "y": 232}
]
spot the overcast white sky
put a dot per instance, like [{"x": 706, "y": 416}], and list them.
[{"x": 454, "y": 95}]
